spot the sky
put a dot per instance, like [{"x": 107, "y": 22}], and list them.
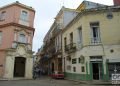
[{"x": 46, "y": 10}]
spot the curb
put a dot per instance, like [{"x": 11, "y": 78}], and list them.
[
  {"x": 81, "y": 82},
  {"x": 14, "y": 79},
  {"x": 91, "y": 82}
]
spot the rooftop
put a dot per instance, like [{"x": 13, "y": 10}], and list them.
[{"x": 18, "y": 4}]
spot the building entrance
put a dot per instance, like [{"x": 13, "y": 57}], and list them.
[
  {"x": 52, "y": 67},
  {"x": 97, "y": 68},
  {"x": 97, "y": 71},
  {"x": 19, "y": 67}
]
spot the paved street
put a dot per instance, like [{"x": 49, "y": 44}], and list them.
[{"x": 44, "y": 82}]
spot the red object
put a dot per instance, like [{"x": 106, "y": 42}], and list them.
[
  {"x": 58, "y": 76},
  {"x": 116, "y": 2}
]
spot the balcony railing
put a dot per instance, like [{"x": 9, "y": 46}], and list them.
[
  {"x": 70, "y": 48},
  {"x": 58, "y": 49},
  {"x": 95, "y": 40},
  {"x": 51, "y": 52},
  {"x": 56, "y": 31}
]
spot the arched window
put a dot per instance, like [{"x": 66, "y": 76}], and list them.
[{"x": 22, "y": 38}]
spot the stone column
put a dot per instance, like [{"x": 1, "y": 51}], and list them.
[{"x": 29, "y": 68}]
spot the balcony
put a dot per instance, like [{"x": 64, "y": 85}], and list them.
[
  {"x": 70, "y": 48},
  {"x": 56, "y": 30},
  {"x": 58, "y": 50},
  {"x": 95, "y": 41},
  {"x": 51, "y": 52}
]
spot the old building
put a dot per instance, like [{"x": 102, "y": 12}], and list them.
[
  {"x": 91, "y": 44},
  {"x": 16, "y": 34},
  {"x": 51, "y": 54}
]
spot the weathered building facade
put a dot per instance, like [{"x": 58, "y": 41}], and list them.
[
  {"x": 51, "y": 54},
  {"x": 91, "y": 44},
  {"x": 16, "y": 34},
  {"x": 86, "y": 40}
]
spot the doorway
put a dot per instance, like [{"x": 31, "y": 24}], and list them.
[
  {"x": 52, "y": 67},
  {"x": 97, "y": 71},
  {"x": 19, "y": 67}
]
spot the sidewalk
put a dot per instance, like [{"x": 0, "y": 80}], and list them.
[
  {"x": 1, "y": 79},
  {"x": 13, "y": 79},
  {"x": 94, "y": 82}
]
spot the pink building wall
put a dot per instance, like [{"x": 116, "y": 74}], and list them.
[
  {"x": 13, "y": 15},
  {"x": 8, "y": 31}
]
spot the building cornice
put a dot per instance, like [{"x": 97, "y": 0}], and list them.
[
  {"x": 91, "y": 11},
  {"x": 17, "y": 4},
  {"x": 18, "y": 25}
]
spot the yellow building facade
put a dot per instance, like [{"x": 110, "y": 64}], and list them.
[{"x": 91, "y": 44}]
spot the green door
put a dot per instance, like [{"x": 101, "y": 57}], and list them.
[{"x": 96, "y": 70}]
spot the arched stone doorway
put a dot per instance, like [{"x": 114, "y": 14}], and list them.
[{"x": 19, "y": 67}]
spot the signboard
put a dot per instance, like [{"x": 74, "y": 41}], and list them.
[{"x": 115, "y": 78}]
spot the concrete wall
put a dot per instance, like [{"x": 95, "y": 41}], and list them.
[
  {"x": 68, "y": 16},
  {"x": 10, "y": 35},
  {"x": 10, "y": 60},
  {"x": 110, "y": 40},
  {"x": 109, "y": 28},
  {"x": 13, "y": 15}
]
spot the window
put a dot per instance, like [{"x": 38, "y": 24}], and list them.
[
  {"x": 80, "y": 34},
  {"x": 0, "y": 37},
  {"x": 74, "y": 69},
  {"x": 73, "y": 61},
  {"x": 79, "y": 60},
  {"x": 95, "y": 32},
  {"x": 83, "y": 69},
  {"x": 65, "y": 43},
  {"x": 22, "y": 38},
  {"x": 24, "y": 16},
  {"x": 71, "y": 37},
  {"x": 2, "y": 16}
]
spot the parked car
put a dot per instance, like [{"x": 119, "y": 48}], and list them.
[{"x": 58, "y": 75}]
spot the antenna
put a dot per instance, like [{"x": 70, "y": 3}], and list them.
[{"x": 63, "y": 2}]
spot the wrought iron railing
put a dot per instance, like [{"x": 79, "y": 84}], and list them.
[
  {"x": 70, "y": 48},
  {"x": 95, "y": 40}
]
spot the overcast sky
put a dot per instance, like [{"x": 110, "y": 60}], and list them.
[{"x": 46, "y": 10}]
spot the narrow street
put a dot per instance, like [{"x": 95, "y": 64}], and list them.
[{"x": 44, "y": 82}]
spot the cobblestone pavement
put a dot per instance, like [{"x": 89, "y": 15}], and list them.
[{"x": 44, "y": 82}]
